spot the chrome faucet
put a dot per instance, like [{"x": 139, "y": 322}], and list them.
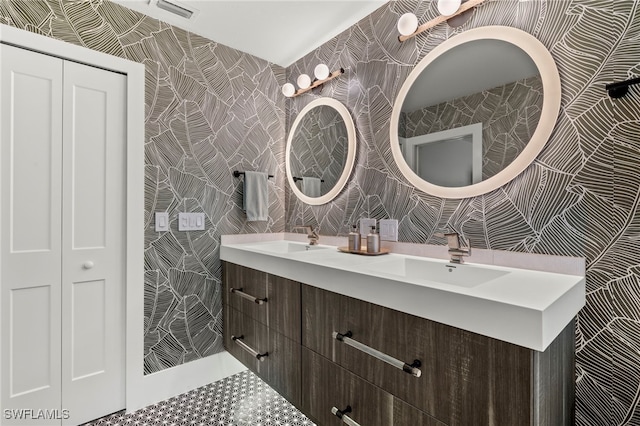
[
  {"x": 311, "y": 234},
  {"x": 455, "y": 250}
]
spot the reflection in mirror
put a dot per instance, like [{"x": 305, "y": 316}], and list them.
[
  {"x": 475, "y": 112},
  {"x": 320, "y": 151},
  {"x": 488, "y": 83},
  {"x": 450, "y": 157}
]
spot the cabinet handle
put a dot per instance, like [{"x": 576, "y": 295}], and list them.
[
  {"x": 342, "y": 415},
  {"x": 412, "y": 368},
  {"x": 247, "y": 296},
  {"x": 253, "y": 352}
]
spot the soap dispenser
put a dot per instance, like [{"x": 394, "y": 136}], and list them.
[
  {"x": 373, "y": 241},
  {"x": 354, "y": 239}
]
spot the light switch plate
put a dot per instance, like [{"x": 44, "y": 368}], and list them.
[
  {"x": 389, "y": 229},
  {"x": 365, "y": 226},
  {"x": 162, "y": 221},
  {"x": 190, "y": 221}
]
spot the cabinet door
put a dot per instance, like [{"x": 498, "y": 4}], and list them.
[
  {"x": 93, "y": 273},
  {"x": 30, "y": 231},
  {"x": 283, "y": 370},
  {"x": 284, "y": 306},
  {"x": 279, "y": 361},
  {"x": 279, "y": 298},
  {"x": 465, "y": 378},
  {"x": 326, "y": 386}
]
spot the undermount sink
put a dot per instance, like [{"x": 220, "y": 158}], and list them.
[
  {"x": 283, "y": 247},
  {"x": 429, "y": 272}
]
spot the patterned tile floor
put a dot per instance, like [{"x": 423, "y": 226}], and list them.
[{"x": 242, "y": 399}]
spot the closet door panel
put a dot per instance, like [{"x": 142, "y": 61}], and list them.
[
  {"x": 93, "y": 297},
  {"x": 30, "y": 232}
]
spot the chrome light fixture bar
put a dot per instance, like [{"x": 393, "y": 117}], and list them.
[
  {"x": 408, "y": 23},
  {"x": 175, "y": 8}
]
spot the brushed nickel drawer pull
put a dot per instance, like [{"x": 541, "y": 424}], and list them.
[
  {"x": 247, "y": 296},
  {"x": 413, "y": 368},
  {"x": 342, "y": 415},
  {"x": 253, "y": 352}
]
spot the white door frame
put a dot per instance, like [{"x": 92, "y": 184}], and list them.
[
  {"x": 134, "y": 221},
  {"x": 409, "y": 146}
]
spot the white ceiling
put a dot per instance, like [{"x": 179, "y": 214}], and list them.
[{"x": 280, "y": 32}]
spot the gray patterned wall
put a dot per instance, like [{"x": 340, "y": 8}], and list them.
[
  {"x": 580, "y": 197},
  {"x": 509, "y": 115},
  {"x": 210, "y": 110}
]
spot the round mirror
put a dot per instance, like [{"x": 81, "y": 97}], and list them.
[
  {"x": 321, "y": 150},
  {"x": 475, "y": 112}
]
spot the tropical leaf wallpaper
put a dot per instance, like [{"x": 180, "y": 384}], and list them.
[{"x": 211, "y": 110}]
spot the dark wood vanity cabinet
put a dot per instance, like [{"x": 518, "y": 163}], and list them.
[
  {"x": 264, "y": 334},
  {"x": 276, "y": 300},
  {"x": 465, "y": 378},
  {"x": 328, "y": 386}
]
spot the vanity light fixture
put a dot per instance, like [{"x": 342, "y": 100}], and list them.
[
  {"x": 304, "y": 81},
  {"x": 408, "y": 23},
  {"x": 448, "y": 7},
  {"x": 305, "y": 84}
]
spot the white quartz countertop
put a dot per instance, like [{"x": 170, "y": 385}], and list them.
[{"x": 520, "y": 306}]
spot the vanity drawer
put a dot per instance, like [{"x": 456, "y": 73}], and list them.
[
  {"x": 271, "y": 300},
  {"x": 245, "y": 290},
  {"x": 405, "y": 414},
  {"x": 326, "y": 386},
  {"x": 465, "y": 378},
  {"x": 271, "y": 355}
]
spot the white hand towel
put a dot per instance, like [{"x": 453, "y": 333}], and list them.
[
  {"x": 255, "y": 196},
  {"x": 311, "y": 186}
]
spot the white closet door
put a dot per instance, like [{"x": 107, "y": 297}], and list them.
[
  {"x": 30, "y": 234},
  {"x": 93, "y": 275}
]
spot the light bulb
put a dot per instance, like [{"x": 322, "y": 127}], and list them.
[
  {"x": 407, "y": 24},
  {"x": 448, "y": 7},
  {"x": 321, "y": 71},
  {"x": 288, "y": 90},
  {"x": 304, "y": 81}
]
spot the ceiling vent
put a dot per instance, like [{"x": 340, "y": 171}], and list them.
[{"x": 176, "y": 8}]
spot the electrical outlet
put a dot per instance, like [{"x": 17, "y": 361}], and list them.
[
  {"x": 365, "y": 226},
  {"x": 162, "y": 221},
  {"x": 389, "y": 229},
  {"x": 190, "y": 221}
]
